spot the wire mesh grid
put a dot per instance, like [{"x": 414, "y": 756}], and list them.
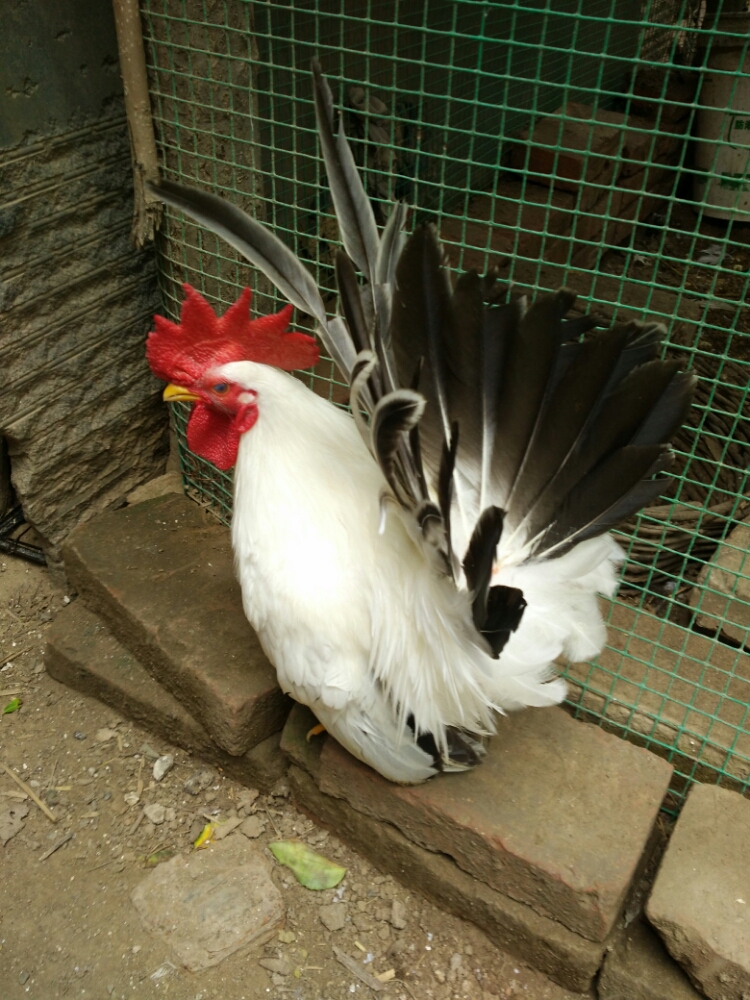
[{"x": 603, "y": 145}]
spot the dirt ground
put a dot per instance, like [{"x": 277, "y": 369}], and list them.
[{"x": 68, "y": 927}]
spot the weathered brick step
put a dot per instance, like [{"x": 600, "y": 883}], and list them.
[
  {"x": 566, "y": 957},
  {"x": 638, "y": 967},
  {"x": 700, "y": 903},
  {"x": 161, "y": 578},
  {"x": 558, "y": 816},
  {"x": 84, "y": 655}
]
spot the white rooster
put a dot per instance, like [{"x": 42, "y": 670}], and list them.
[{"x": 414, "y": 570}]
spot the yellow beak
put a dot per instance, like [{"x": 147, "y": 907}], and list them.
[{"x": 176, "y": 394}]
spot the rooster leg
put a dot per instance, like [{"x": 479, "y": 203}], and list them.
[{"x": 315, "y": 731}]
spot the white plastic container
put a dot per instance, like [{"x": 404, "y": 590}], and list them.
[{"x": 722, "y": 186}]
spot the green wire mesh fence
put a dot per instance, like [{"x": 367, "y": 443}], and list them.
[{"x": 605, "y": 145}]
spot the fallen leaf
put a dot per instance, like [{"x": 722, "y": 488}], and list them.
[
  {"x": 12, "y": 706},
  {"x": 157, "y": 857},
  {"x": 311, "y": 870},
  {"x": 205, "y": 837}
]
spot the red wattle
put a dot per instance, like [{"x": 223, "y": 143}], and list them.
[{"x": 213, "y": 435}]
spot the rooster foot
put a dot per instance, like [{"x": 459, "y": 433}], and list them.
[{"x": 315, "y": 731}]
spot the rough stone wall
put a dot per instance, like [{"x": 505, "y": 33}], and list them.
[{"x": 78, "y": 405}]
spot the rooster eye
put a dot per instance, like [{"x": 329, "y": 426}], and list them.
[{"x": 220, "y": 388}]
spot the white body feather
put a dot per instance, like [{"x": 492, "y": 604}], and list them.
[{"x": 357, "y": 625}]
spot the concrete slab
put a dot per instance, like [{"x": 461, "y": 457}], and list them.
[
  {"x": 639, "y": 968},
  {"x": 557, "y": 817},
  {"x": 722, "y": 594},
  {"x": 211, "y": 903},
  {"x": 700, "y": 903},
  {"x": 161, "y": 577},
  {"x": 664, "y": 681},
  {"x": 84, "y": 655},
  {"x": 567, "y": 958}
]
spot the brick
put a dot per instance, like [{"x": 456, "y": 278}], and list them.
[
  {"x": 558, "y": 816},
  {"x": 567, "y": 958},
  {"x": 84, "y": 655},
  {"x": 638, "y": 967},
  {"x": 700, "y": 903},
  {"x": 723, "y": 592},
  {"x": 517, "y": 219},
  {"x": 638, "y": 141},
  {"x": 672, "y": 685},
  {"x": 294, "y": 743},
  {"x": 161, "y": 577},
  {"x": 573, "y": 153}
]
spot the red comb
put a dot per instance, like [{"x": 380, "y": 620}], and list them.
[{"x": 182, "y": 352}]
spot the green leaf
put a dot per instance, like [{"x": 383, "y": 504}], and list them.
[
  {"x": 12, "y": 706},
  {"x": 163, "y": 855},
  {"x": 310, "y": 869}
]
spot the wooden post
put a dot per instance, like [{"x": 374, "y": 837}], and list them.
[{"x": 147, "y": 210}]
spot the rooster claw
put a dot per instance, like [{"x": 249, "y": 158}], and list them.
[{"x": 315, "y": 731}]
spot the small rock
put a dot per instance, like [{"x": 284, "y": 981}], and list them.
[
  {"x": 210, "y": 796},
  {"x": 252, "y": 827},
  {"x": 333, "y": 916},
  {"x": 276, "y": 979},
  {"x": 197, "y": 782},
  {"x": 148, "y": 751},
  {"x": 439, "y": 975},
  {"x": 384, "y": 932},
  {"x": 155, "y": 812},
  {"x": 281, "y": 966},
  {"x": 207, "y": 906},
  {"x": 222, "y": 830},
  {"x": 11, "y": 821},
  {"x": 131, "y": 798},
  {"x": 162, "y": 765},
  {"x": 22, "y": 977},
  {"x": 78, "y": 735},
  {"x": 281, "y": 789},
  {"x": 287, "y": 937},
  {"x": 170, "y": 815},
  {"x": 247, "y": 797},
  {"x": 196, "y": 829},
  {"x": 398, "y": 915},
  {"x": 363, "y": 922},
  {"x": 104, "y": 735}
]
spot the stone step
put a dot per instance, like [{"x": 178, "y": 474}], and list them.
[
  {"x": 569, "y": 959},
  {"x": 84, "y": 655},
  {"x": 638, "y": 967},
  {"x": 559, "y": 815},
  {"x": 700, "y": 903},
  {"x": 160, "y": 575}
]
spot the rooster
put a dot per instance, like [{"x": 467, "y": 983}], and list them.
[{"x": 416, "y": 567}]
